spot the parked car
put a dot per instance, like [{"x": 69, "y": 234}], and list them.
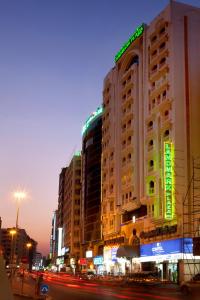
[{"x": 191, "y": 287}]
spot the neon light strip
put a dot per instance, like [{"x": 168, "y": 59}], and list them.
[
  {"x": 138, "y": 32},
  {"x": 91, "y": 118},
  {"x": 169, "y": 180}
]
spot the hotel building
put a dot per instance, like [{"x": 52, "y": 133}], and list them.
[
  {"x": 91, "y": 188},
  {"x": 150, "y": 135}
]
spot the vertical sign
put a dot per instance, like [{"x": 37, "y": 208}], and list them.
[{"x": 169, "y": 180}]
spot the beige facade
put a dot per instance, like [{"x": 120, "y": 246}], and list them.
[
  {"x": 151, "y": 128},
  {"x": 71, "y": 210}
]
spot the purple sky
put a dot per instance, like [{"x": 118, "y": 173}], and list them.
[{"x": 53, "y": 58}]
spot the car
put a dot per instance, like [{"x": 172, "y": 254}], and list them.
[{"x": 192, "y": 286}]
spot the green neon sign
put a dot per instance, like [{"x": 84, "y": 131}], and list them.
[
  {"x": 169, "y": 180},
  {"x": 91, "y": 118},
  {"x": 138, "y": 32},
  {"x": 77, "y": 153}
]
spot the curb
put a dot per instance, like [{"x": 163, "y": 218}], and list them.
[{"x": 32, "y": 297}]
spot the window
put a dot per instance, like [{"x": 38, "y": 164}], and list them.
[
  {"x": 164, "y": 94},
  {"x": 129, "y": 157},
  {"x": 154, "y": 38},
  {"x": 151, "y": 165},
  {"x": 158, "y": 99},
  {"x": 162, "y": 30},
  {"x": 154, "y": 68},
  {"x": 151, "y": 187},
  {"x": 150, "y": 125},
  {"x": 129, "y": 123},
  {"x": 111, "y": 205},
  {"x": 124, "y": 127},
  {"x": 150, "y": 145},
  {"x": 154, "y": 53},
  {"x": 166, "y": 133},
  {"x": 111, "y": 188},
  {"x": 162, "y": 61},
  {"x": 166, "y": 113},
  {"x": 162, "y": 46}
]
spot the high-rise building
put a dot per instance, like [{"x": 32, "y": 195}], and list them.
[
  {"x": 91, "y": 183},
  {"x": 54, "y": 238},
  {"x": 71, "y": 210},
  {"x": 150, "y": 137}
]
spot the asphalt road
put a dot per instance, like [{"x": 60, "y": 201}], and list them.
[{"x": 75, "y": 289}]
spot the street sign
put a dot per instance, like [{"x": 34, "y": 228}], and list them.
[{"x": 44, "y": 289}]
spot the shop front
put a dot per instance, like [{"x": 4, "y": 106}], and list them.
[
  {"x": 60, "y": 263},
  {"x": 98, "y": 263},
  {"x": 163, "y": 257}
]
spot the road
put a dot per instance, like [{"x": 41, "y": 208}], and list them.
[{"x": 68, "y": 287}]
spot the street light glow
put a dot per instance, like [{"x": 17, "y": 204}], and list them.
[
  {"x": 13, "y": 232},
  {"x": 19, "y": 195},
  {"x": 28, "y": 245}
]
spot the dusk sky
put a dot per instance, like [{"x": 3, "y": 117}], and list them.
[{"x": 54, "y": 56}]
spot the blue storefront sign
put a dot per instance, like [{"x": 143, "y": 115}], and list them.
[
  {"x": 98, "y": 260},
  {"x": 167, "y": 247},
  {"x": 114, "y": 254}
]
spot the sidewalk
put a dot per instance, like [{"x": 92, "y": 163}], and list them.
[
  {"x": 5, "y": 288},
  {"x": 27, "y": 290}
]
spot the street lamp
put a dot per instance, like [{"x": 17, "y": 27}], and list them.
[
  {"x": 19, "y": 196},
  {"x": 28, "y": 246},
  {"x": 12, "y": 232}
]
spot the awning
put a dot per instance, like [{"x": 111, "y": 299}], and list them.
[{"x": 128, "y": 251}]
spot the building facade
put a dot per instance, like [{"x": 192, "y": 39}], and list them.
[
  {"x": 149, "y": 138},
  {"x": 15, "y": 248},
  {"x": 71, "y": 211},
  {"x": 91, "y": 184}
]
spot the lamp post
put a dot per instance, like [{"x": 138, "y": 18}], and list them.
[
  {"x": 19, "y": 196},
  {"x": 28, "y": 246},
  {"x": 12, "y": 232}
]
